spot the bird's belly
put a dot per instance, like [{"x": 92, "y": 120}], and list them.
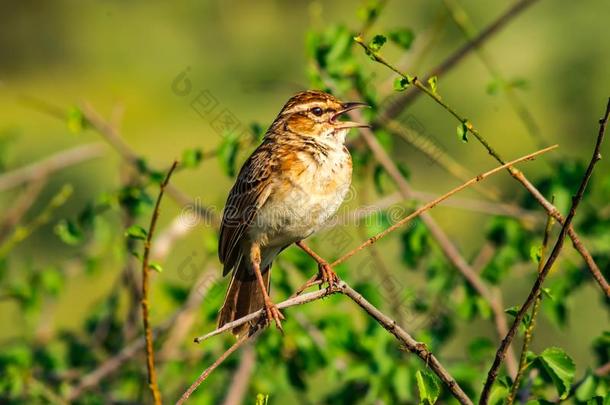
[{"x": 299, "y": 208}]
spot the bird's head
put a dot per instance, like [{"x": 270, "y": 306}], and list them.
[{"x": 316, "y": 114}]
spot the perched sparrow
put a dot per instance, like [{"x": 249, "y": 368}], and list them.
[{"x": 293, "y": 182}]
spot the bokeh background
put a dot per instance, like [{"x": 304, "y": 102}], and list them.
[{"x": 125, "y": 58}]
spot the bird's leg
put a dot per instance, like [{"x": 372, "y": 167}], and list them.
[
  {"x": 272, "y": 311},
  {"x": 325, "y": 273}
]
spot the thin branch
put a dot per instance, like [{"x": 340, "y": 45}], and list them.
[
  {"x": 51, "y": 164},
  {"x": 389, "y": 324},
  {"x": 241, "y": 377},
  {"x": 486, "y": 253},
  {"x": 447, "y": 246},
  {"x": 113, "y": 364},
  {"x": 150, "y": 355},
  {"x": 518, "y": 175},
  {"x": 14, "y": 214},
  {"x": 529, "y": 331},
  {"x": 436, "y": 201},
  {"x": 463, "y": 22},
  {"x": 185, "y": 320},
  {"x": 400, "y": 102},
  {"x": 427, "y": 146},
  {"x": 394, "y": 199},
  {"x": 243, "y": 339},
  {"x": 111, "y": 134},
  {"x": 298, "y": 300},
  {"x": 411, "y": 344},
  {"x": 22, "y": 232},
  {"x": 493, "y": 371}
]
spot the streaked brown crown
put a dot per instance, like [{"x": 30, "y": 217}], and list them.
[
  {"x": 309, "y": 99},
  {"x": 309, "y": 113}
]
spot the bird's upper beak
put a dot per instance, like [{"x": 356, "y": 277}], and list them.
[{"x": 348, "y": 124}]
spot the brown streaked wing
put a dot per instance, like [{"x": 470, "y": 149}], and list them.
[{"x": 247, "y": 195}]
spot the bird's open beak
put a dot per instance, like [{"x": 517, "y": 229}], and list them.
[{"x": 348, "y": 124}]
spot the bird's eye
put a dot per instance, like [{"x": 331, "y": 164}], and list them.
[{"x": 316, "y": 111}]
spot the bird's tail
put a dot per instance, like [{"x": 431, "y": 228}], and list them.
[{"x": 244, "y": 296}]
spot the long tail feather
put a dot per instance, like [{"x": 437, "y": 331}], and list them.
[{"x": 244, "y": 296}]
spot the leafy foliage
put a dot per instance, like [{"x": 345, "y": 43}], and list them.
[{"x": 330, "y": 352}]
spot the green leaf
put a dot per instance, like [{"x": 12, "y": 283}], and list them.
[
  {"x": 499, "y": 392},
  {"x": 428, "y": 388},
  {"x": 493, "y": 87},
  {"x": 68, "y": 232},
  {"x": 547, "y": 292},
  {"x": 257, "y": 131},
  {"x": 401, "y": 83},
  {"x": 519, "y": 83},
  {"x": 432, "y": 82},
  {"x": 369, "y": 11},
  {"x": 536, "y": 254},
  {"x": 586, "y": 390},
  {"x": 136, "y": 232},
  {"x": 262, "y": 399},
  {"x": 462, "y": 132},
  {"x": 75, "y": 120},
  {"x": 377, "y": 42},
  {"x": 402, "y": 37},
  {"x": 191, "y": 157},
  {"x": 155, "y": 266},
  {"x": 227, "y": 154},
  {"x": 514, "y": 310},
  {"x": 560, "y": 367}
]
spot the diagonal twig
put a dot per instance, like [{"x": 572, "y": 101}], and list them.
[
  {"x": 241, "y": 377},
  {"x": 447, "y": 246},
  {"x": 385, "y": 321},
  {"x": 493, "y": 371},
  {"x": 51, "y": 164},
  {"x": 113, "y": 364},
  {"x": 243, "y": 339},
  {"x": 397, "y": 105},
  {"x": 437, "y": 201},
  {"x": 517, "y": 174},
  {"x": 150, "y": 355},
  {"x": 529, "y": 331}
]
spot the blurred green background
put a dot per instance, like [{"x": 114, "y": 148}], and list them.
[{"x": 251, "y": 57}]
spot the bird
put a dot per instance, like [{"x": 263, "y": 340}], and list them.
[{"x": 291, "y": 184}]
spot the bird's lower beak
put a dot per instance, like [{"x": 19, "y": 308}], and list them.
[{"x": 348, "y": 124}]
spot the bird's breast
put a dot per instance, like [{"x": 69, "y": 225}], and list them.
[{"x": 307, "y": 192}]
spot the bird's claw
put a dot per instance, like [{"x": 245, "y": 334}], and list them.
[
  {"x": 273, "y": 313},
  {"x": 327, "y": 275}
]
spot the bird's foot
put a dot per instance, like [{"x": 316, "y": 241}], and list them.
[
  {"x": 273, "y": 313},
  {"x": 327, "y": 275}
]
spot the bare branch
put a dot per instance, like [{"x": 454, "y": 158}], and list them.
[
  {"x": 493, "y": 371},
  {"x": 243, "y": 339},
  {"x": 241, "y": 378},
  {"x": 50, "y": 164},
  {"x": 291, "y": 302},
  {"x": 436, "y": 201},
  {"x": 396, "y": 106},
  {"x": 518, "y": 175},
  {"x": 529, "y": 331},
  {"x": 449, "y": 249},
  {"x": 389, "y": 324},
  {"x": 470, "y": 204},
  {"x": 111, "y": 134},
  {"x": 113, "y": 364},
  {"x": 150, "y": 355},
  {"x": 14, "y": 214}
]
